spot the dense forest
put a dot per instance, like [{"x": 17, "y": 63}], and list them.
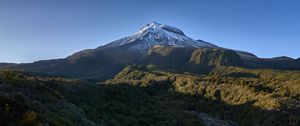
[{"x": 145, "y": 95}]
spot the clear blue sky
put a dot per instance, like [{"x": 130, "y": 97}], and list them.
[{"x": 45, "y": 29}]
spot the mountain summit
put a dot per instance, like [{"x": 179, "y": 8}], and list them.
[{"x": 156, "y": 34}]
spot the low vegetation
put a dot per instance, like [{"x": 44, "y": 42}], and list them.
[
  {"x": 33, "y": 100},
  {"x": 145, "y": 95},
  {"x": 249, "y": 97}
]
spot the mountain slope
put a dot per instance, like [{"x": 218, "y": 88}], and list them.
[
  {"x": 189, "y": 59},
  {"x": 216, "y": 57}
]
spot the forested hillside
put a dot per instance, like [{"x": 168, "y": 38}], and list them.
[
  {"x": 249, "y": 97},
  {"x": 144, "y": 95}
]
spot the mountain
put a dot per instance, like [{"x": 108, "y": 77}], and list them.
[
  {"x": 130, "y": 49},
  {"x": 158, "y": 34},
  {"x": 282, "y": 63},
  {"x": 163, "y": 45},
  {"x": 106, "y": 61},
  {"x": 158, "y": 76}
]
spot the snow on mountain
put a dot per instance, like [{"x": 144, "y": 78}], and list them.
[{"x": 155, "y": 34}]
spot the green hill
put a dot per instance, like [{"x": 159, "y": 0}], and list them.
[{"x": 196, "y": 60}]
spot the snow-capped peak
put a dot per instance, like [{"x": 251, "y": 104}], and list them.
[
  {"x": 158, "y": 34},
  {"x": 156, "y": 27}
]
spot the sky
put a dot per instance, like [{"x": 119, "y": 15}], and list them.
[{"x": 32, "y": 30}]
